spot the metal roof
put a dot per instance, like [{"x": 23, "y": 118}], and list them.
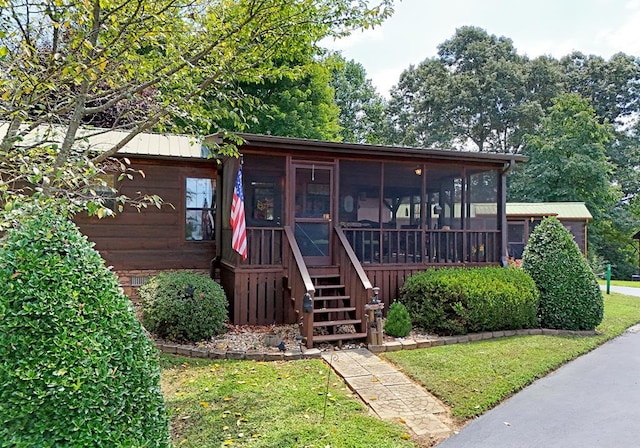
[
  {"x": 562, "y": 210},
  {"x": 143, "y": 144}
]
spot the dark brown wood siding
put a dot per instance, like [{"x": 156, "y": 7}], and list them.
[{"x": 153, "y": 238}]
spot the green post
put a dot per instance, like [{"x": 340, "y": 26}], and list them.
[{"x": 608, "y": 278}]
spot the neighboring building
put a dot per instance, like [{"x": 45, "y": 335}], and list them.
[{"x": 523, "y": 217}]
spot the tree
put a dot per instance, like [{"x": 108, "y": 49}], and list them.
[
  {"x": 300, "y": 105},
  {"x": 475, "y": 91},
  {"x": 63, "y": 62},
  {"x": 567, "y": 160},
  {"x": 361, "y": 106}
]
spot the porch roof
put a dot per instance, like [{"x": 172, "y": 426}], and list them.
[{"x": 300, "y": 145}]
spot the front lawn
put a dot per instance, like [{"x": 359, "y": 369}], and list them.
[
  {"x": 472, "y": 378},
  {"x": 621, "y": 283},
  {"x": 268, "y": 404}
]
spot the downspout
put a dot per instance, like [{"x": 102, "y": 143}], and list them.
[{"x": 503, "y": 210}]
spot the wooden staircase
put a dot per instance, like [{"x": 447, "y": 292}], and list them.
[{"x": 335, "y": 316}]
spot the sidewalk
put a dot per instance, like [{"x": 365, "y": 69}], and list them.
[{"x": 389, "y": 393}]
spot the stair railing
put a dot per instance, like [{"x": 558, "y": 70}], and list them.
[
  {"x": 352, "y": 275},
  {"x": 299, "y": 285}
]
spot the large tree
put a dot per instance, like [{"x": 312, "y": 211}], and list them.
[
  {"x": 361, "y": 115},
  {"x": 474, "y": 92},
  {"x": 64, "y": 61}
]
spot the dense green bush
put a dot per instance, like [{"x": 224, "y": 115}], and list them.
[
  {"x": 183, "y": 306},
  {"x": 570, "y": 297},
  {"x": 398, "y": 322},
  {"x": 461, "y": 300},
  {"x": 76, "y": 368}
]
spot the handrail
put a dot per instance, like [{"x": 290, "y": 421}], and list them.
[
  {"x": 364, "y": 279},
  {"x": 297, "y": 255}
]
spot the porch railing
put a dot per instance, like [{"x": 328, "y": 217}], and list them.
[
  {"x": 418, "y": 246},
  {"x": 298, "y": 283},
  {"x": 264, "y": 245},
  {"x": 359, "y": 287}
]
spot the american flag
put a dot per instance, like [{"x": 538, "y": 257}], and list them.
[{"x": 239, "y": 240}]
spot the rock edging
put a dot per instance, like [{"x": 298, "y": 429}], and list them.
[{"x": 390, "y": 346}]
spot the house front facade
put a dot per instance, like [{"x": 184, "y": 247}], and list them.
[{"x": 326, "y": 223}]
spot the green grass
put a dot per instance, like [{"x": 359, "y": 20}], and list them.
[
  {"x": 472, "y": 378},
  {"x": 621, "y": 283},
  {"x": 267, "y": 404}
]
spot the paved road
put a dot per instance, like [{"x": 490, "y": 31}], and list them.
[
  {"x": 593, "y": 401},
  {"x": 628, "y": 290}
]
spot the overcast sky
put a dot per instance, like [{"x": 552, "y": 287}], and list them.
[{"x": 553, "y": 27}]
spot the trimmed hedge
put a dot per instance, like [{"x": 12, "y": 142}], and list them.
[
  {"x": 76, "y": 368},
  {"x": 183, "y": 306},
  {"x": 570, "y": 297},
  {"x": 462, "y": 300}
]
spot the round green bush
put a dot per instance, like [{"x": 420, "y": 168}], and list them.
[
  {"x": 462, "y": 300},
  {"x": 570, "y": 297},
  {"x": 183, "y": 306},
  {"x": 398, "y": 322},
  {"x": 76, "y": 368}
]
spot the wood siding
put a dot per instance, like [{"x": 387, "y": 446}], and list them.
[{"x": 153, "y": 239}]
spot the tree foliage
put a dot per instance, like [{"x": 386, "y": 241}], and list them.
[
  {"x": 361, "y": 115},
  {"x": 567, "y": 159},
  {"x": 63, "y": 63},
  {"x": 474, "y": 91}
]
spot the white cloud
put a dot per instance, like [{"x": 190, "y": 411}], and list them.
[
  {"x": 625, "y": 37},
  {"x": 356, "y": 38},
  {"x": 386, "y": 78}
]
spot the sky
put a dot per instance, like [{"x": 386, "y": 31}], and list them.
[{"x": 540, "y": 27}]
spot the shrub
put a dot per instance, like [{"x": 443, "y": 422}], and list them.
[
  {"x": 76, "y": 368},
  {"x": 398, "y": 321},
  {"x": 183, "y": 306},
  {"x": 570, "y": 297},
  {"x": 460, "y": 300}
]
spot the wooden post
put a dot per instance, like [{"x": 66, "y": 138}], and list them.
[{"x": 374, "y": 323}]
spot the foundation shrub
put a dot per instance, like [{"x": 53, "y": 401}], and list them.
[
  {"x": 461, "y": 300},
  {"x": 76, "y": 368},
  {"x": 183, "y": 306},
  {"x": 570, "y": 297},
  {"x": 398, "y": 322}
]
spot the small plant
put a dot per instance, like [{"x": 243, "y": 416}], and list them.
[
  {"x": 76, "y": 368},
  {"x": 570, "y": 297},
  {"x": 183, "y": 306},
  {"x": 398, "y": 321}
]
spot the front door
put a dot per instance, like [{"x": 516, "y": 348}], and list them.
[{"x": 312, "y": 213}]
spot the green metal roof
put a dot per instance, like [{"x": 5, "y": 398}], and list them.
[{"x": 562, "y": 210}]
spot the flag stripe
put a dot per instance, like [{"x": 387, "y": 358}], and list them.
[{"x": 238, "y": 224}]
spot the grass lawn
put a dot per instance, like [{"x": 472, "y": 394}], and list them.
[
  {"x": 621, "y": 283},
  {"x": 472, "y": 378},
  {"x": 268, "y": 404}
]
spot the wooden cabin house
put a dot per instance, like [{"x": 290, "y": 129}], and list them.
[{"x": 327, "y": 222}]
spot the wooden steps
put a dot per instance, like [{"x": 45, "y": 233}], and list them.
[{"x": 335, "y": 319}]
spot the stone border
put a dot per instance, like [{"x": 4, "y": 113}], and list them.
[{"x": 391, "y": 346}]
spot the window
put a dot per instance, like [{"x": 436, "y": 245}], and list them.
[
  {"x": 200, "y": 209},
  {"x": 106, "y": 190}
]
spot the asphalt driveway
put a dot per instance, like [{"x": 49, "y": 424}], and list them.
[{"x": 593, "y": 401}]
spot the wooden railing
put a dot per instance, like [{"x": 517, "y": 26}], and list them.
[
  {"x": 352, "y": 275},
  {"x": 418, "y": 246},
  {"x": 298, "y": 283},
  {"x": 264, "y": 246}
]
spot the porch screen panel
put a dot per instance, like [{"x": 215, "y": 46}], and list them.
[
  {"x": 483, "y": 200},
  {"x": 359, "y": 194},
  {"x": 359, "y": 207}
]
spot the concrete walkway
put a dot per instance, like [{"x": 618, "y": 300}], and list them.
[{"x": 390, "y": 393}]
